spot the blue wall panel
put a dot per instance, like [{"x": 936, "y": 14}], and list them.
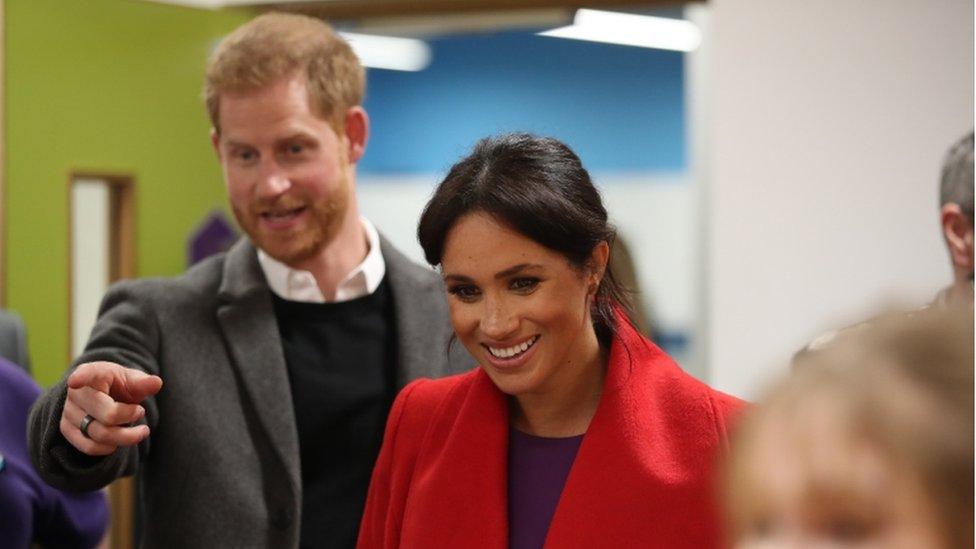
[{"x": 620, "y": 108}]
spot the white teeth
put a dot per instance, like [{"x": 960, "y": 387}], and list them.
[{"x": 509, "y": 352}]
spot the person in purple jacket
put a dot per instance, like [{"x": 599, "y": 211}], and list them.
[{"x": 30, "y": 510}]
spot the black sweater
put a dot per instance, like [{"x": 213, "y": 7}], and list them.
[{"x": 341, "y": 359}]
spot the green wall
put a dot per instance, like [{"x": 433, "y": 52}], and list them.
[{"x": 105, "y": 86}]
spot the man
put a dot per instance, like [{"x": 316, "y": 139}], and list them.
[
  {"x": 280, "y": 359},
  {"x": 956, "y": 200},
  {"x": 956, "y": 218}
]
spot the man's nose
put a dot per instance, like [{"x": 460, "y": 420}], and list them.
[{"x": 272, "y": 180}]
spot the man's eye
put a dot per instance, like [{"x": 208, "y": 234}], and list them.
[
  {"x": 464, "y": 292},
  {"x": 524, "y": 284},
  {"x": 295, "y": 149},
  {"x": 245, "y": 155}
]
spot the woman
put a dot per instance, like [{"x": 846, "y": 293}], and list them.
[
  {"x": 868, "y": 444},
  {"x": 575, "y": 431}
]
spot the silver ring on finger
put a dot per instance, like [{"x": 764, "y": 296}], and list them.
[{"x": 85, "y": 422}]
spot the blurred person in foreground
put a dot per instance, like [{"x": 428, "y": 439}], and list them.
[
  {"x": 281, "y": 357},
  {"x": 30, "y": 510},
  {"x": 576, "y": 431},
  {"x": 869, "y": 443}
]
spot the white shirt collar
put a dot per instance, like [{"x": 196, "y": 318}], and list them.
[{"x": 297, "y": 285}]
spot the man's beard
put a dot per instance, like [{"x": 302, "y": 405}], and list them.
[{"x": 322, "y": 222}]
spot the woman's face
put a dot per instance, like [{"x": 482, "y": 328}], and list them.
[
  {"x": 838, "y": 494},
  {"x": 521, "y": 309}
]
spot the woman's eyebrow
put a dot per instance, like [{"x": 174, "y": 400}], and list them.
[
  {"x": 513, "y": 270},
  {"x": 456, "y": 278},
  {"x": 517, "y": 269}
]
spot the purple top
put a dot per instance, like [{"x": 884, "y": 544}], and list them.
[
  {"x": 29, "y": 509},
  {"x": 537, "y": 471}
]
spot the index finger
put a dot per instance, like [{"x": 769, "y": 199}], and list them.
[{"x": 98, "y": 375}]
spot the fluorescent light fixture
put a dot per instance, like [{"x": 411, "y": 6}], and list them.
[
  {"x": 387, "y": 52},
  {"x": 627, "y": 29}
]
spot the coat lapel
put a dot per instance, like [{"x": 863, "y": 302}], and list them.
[
  {"x": 644, "y": 464},
  {"x": 603, "y": 460},
  {"x": 463, "y": 501},
  {"x": 246, "y": 315}
]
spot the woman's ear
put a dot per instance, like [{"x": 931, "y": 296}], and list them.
[{"x": 599, "y": 258}]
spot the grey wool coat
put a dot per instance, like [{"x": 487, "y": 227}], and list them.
[{"x": 221, "y": 465}]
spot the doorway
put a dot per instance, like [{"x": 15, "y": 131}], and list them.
[{"x": 102, "y": 251}]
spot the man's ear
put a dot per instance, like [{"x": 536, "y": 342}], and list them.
[
  {"x": 958, "y": 232},
  {"x": 357, "y": 132},
  {"x": 215, "y": 141}
]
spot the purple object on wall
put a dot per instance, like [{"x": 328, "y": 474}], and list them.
[{"x": 214, "y": 235}]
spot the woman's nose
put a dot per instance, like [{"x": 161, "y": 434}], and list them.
[{"x": 498, "y": 321}]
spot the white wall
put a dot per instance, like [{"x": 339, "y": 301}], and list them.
[{"x": 829, "y": 119}]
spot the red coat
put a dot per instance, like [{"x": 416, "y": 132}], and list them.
[{"x": 642, "y": 477}]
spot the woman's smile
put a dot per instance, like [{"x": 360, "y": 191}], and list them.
[{"x": 511, "y": 356}]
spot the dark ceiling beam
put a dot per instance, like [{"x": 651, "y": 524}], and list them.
[{"x": 361, "y": 9}]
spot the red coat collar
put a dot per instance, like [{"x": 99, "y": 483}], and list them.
[{"x": 642, "y": 474}]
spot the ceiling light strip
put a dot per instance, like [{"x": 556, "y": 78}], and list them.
[
  {"x": 387, "y": 52},
  {"x": 630, "y": 30}
]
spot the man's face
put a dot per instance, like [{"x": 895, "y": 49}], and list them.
[{"x": 288, "y": 173}]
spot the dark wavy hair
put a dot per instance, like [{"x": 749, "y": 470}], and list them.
[{"x": 537, "y": 186}]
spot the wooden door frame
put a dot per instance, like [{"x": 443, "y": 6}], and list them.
[
  {"x": 122, "y": 259},
  {"x": 122, "y": 264}
]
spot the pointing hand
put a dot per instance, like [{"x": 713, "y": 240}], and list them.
[{"x": 104, "y": 397}]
